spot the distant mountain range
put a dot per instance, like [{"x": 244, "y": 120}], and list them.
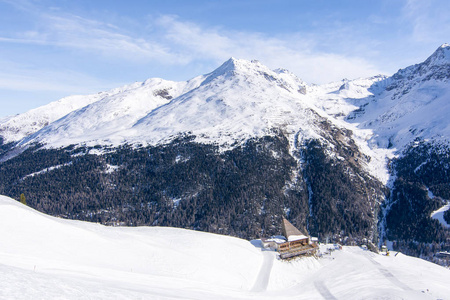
[{"x": 234, "y": 150}]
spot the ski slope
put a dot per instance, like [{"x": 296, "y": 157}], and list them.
[{"x": 43, "y": 257}]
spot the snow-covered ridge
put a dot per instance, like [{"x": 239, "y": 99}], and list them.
[
  {"x": 435, "y": 67},
  {"x": 246, "y": 69},
  {"x": 111, "y": 114},
  {"x": 49, "y": 258},
  {"x": 414, "y": 104},
  {"x": 440, "y": 57},
  {"x": 155, "y": 91},
  {"x": 17, "y": 127},
  {"x": 240, "y": 99},
  {"x": 244, "y": 99}
]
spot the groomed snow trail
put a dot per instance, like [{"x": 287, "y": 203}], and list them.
[
  {"x": 324, "y": 291},
  {"x": 389, "y": 275},
  {"x": 262, "y": 280}
]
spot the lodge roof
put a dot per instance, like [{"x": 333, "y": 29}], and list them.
[{"x": 291, "y": 232}]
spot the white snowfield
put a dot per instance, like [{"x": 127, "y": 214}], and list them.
[{"x": 43, "y": 257}]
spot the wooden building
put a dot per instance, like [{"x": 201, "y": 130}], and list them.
[{"x": 294, "y": 243}]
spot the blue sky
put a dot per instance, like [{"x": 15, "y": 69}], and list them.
[{"x": 50, "y": 49}]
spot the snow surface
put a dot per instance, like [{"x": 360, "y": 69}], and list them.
[
  {"x": 102, "y": 120},
  {"x": 292, "y": 238},
  {"x": 439, "y": 215},
  {"x": 43, "y": 257}
]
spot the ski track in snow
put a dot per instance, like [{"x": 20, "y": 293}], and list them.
[
  {"x": 324, "y": 291},
  {"x": 389, "y": 275},
  {"x": 262, "y": 280}
]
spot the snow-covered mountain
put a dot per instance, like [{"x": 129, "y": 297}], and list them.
[
  {"x": 43, "y": 257},
  {"x": 15, "y": 128},
  {"x": 243, "y": 99},
  {"x": 234, "y": 150},
  {"x": 239, "y": 100},
  {"x": 100, "y": 114},
  {"x": 414, "y": 103}
]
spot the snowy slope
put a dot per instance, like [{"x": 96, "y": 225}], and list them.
[
  {"x": 43, "y": 257},
  {"x": 114, "y": 107},
  {"x": 339, "y": 99},
  {"x": 17, "y": 127},
  {"x": 240, "y": 99},
  {"x": 413, "y": 105},
  {"x": 103, "y": 119},
  {"x": 157, "y": 257},
  {"x": 439, "y": 215},
  {"x": 335, "y": 101}
]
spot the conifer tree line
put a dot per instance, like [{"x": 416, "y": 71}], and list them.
[
  {"x": 422, "y": 185},
  {"x": 242, "y": 192},
  {"x": 447, "y": 216}
]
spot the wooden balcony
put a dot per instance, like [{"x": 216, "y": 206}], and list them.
[{"x": 297, "y": 251}]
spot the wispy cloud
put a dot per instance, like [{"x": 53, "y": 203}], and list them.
[
  {"x": 430, "y": 20},
  {"x": 338, "y": 51},
  {"x": 174, "y": 41},
  {"x": 89, "y": 35},
  {"x": 58, "y": 28},
  {"x": 75, "y": 32},
  {"x": 294, "y": 52}
]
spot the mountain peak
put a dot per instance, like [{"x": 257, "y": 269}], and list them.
[
  {"x": 440, "y": 57},
  {"x": 234, "y": 66},
  {"x": 254, "y": 72},
  {"x": 436, "y": 66}
]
